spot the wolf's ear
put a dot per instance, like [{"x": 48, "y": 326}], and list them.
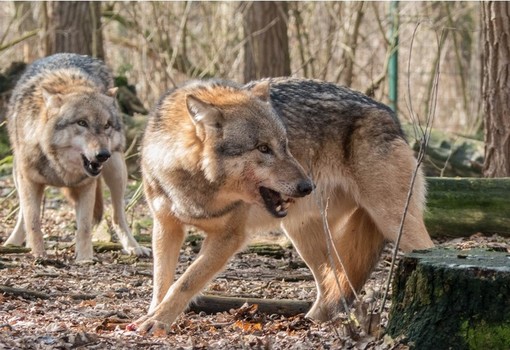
[
  {"x": 202, "y": 113},
  {"x": 112, "y": 92},
  {"x": 51, "y": 99},
  {"x": 261, "y": 90}
]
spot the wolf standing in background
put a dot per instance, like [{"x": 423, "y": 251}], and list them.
[
  {"x": 230, "y": 159},
  {"x": 65, "y": 131}
]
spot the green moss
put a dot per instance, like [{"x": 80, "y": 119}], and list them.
[{"x": 482, "y": 335}]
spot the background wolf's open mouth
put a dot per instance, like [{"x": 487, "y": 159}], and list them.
[
  {"x": 92, "y": 168},
  {"x": 274, "y": 202}
]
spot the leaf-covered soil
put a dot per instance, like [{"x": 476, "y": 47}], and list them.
[{"x": 57, "y": 304}]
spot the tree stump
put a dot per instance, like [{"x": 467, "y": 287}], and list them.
[{"x": 451, "y": 299}]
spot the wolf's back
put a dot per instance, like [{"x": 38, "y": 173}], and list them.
[
  {"x": 317, "y": 113},
  {"x": 92, "y": 69}
]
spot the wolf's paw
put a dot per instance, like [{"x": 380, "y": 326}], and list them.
[
  {"x": 39, "y": 254},
  {"x": 149, "y": 326},
  {"x": 86, "y": 262},
  {"x": 138, "y": 251},
  {"x": 320, "y": 313}
]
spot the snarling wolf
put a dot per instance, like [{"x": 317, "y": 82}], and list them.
[
  {"x": 65, "y": 131},
  {"x": 232, "y": 159}
]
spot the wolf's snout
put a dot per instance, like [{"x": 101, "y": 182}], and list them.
[
  {"x": 103, "y": 156},
  {"x": 305, "y": 188}
]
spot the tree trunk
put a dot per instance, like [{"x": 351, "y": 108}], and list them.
[
  {"x": 266, "y": 52},
  {"x": 75, "y": 26},
  {"x": 496, "y": 87},
  {"x": 27, "y": 23},
  {"x": 451, "y": 299}
]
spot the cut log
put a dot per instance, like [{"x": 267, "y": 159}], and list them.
[
  {"x": 460, "y": 207},
  {"x": 451, "y": 299},
  {"x": 211, "y": 304}
]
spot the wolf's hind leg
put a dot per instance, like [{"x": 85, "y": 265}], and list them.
[
  {"x": 358, "y": 244},
  {"x": 115, "y": 177}
]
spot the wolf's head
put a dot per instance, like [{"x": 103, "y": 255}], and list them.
[
  {"x": 83, "y": 128},
  {"x": 244, "y": 146}
]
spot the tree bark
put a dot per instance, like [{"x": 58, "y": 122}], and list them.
[
  {"x": 266, "y": 52},
  {"x": 27, "y": 24},
  {"x": 451, "y": 299},
  {"x": 75, "y": 26},
  {"x": 496, "y": 87}
]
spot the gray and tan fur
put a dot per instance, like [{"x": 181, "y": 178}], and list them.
[
  {"x": 233, "y": 159},
  {"x": 66, "y": 131}
]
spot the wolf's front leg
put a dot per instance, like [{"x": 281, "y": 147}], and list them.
[
  {"x": 115, "y": 177},
  {"x": 216, "y": 250},
  {"x": 30, "y": 197},
  {"x": 84, "y": 207},
  {"x": 17, "y": 236},
  {"x": 167, "y": 239}
]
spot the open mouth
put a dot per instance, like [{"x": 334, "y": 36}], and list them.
[
  {"x": 274, "y": 202},
  {"x": 91, "y": 168}
]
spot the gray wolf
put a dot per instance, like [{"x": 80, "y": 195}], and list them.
[
  {"x": 65, "y": 131},
  {"x": 233, "y": 159}
]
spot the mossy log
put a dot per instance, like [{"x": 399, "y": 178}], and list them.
[
  {"x": 460, "y": 207},
  {"x": 449, "y": 154},
  {"x": 451, "y": 299}
]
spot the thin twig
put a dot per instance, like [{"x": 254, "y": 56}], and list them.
[{"x": 424, "y": 140}]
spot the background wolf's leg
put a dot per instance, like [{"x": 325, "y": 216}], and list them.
[
  {"x": 216, "y": 250},
  {"x": 30, "y": 197},
  {"x": 115, "y": 177},
  {"x": 84, "y": 207},
  {"x": 17, "y": 236}
]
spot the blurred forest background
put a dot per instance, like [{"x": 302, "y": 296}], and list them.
[{"x": 154, "y": 46}]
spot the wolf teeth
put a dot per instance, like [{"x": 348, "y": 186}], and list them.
[{"x": 279, "y": 208}]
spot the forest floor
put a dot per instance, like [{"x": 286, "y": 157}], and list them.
[{"x": 89, "y": 306}]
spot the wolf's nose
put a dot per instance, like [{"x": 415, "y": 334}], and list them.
[
  {"x": 103, "y": 156},
  {"x": 305, "y": 187}
]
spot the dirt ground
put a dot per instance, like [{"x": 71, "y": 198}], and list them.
[{"x": 89, "y": 306}]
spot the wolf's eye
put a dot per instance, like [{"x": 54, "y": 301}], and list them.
[
  {"x": 107, "y": 126},
  {"x": 82, "y": 122},
  {"x": 264, "y": 149}
]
